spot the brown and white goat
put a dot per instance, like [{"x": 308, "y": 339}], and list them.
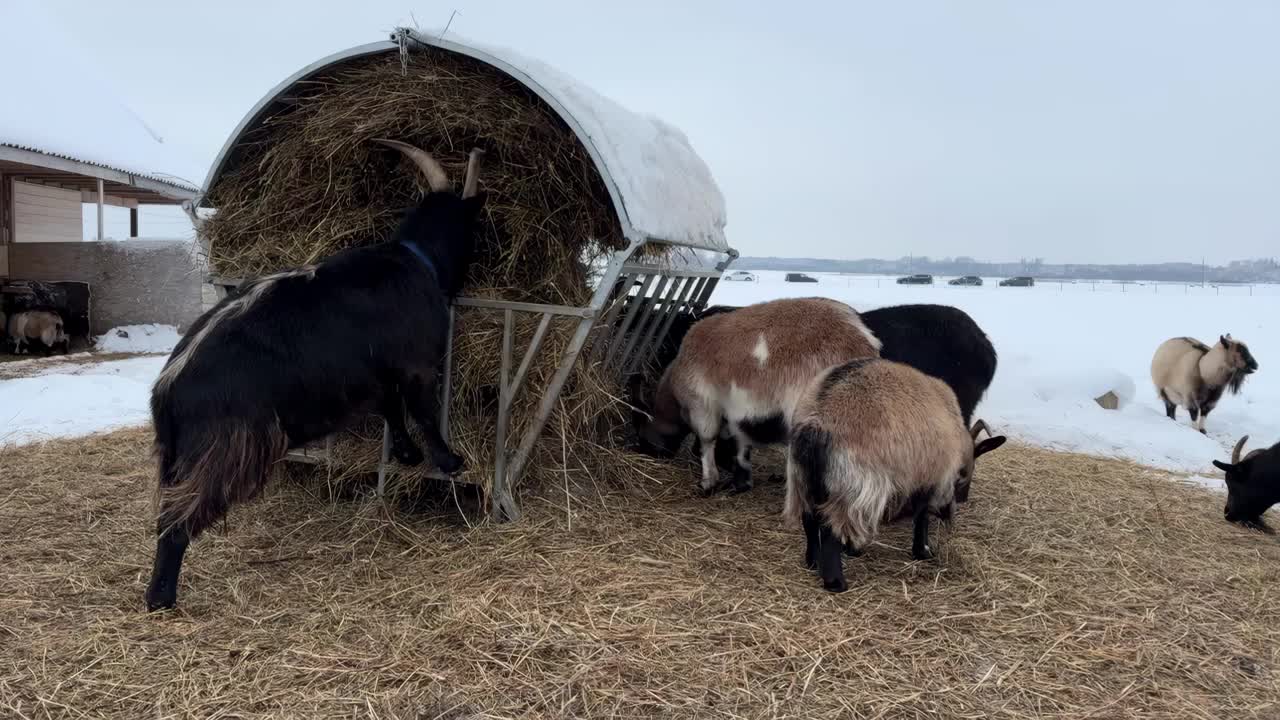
[
  {"x": 873, "y": 438},
  {"x": 747, "y": 370},
  {"x": 42, "y": 325},
  {"x": 1189, "y": 373}
]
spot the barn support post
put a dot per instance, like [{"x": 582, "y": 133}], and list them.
[
  {"x": 133, "y": 222},
  {"x": 101, "y": 214}
]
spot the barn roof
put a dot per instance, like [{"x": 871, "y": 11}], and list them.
[
  {"x": 661, "y": 189},
  {"x": 56, "y": 118}
]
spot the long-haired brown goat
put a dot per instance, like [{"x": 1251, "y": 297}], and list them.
[
  {"x": 747, "y": 369},
  {"x": 1189, "y": 373},
  {"x": 871, "y": 441}
]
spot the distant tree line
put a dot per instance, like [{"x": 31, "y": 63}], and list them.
[{"x": 1260, "y": 270}]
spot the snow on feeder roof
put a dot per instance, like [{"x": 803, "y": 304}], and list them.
[{"x": 659, "y": 187}]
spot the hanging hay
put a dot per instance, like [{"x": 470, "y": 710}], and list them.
[{"x": 309, "y": 183}]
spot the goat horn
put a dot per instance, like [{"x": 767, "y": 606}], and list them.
[
  {"x": 978, "y": 427},
  {"x": 437, "y": 179},
  {"x": 1235, "y": 454},
  {"x": 472, "y": 178}
]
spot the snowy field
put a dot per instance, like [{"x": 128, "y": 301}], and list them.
[
  {"x": 59, "y": 398},
  {"x": 1061, "y": 346}
]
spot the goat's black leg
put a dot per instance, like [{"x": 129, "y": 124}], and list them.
[
  {"x": 920, "y": 549},
  {"x": 1171, "y": 410},
  {"x": 811, "y": 545},
  {"x": 420, "y": 397},
  {"x": 403, "y": 449},
  {"x": 830, "y": 561},
  {"x": 162, "y": 593}
]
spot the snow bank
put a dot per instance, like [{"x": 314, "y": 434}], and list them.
[
  {"x": 150, "y": 338},
  {"x": 69, "y": 402},
  {"x": 1061, "y": 347}
]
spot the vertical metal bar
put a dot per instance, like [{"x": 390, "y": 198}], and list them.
[
  {"x": 619, "y": 298},
  {"x": 705, "y": 295},
  {"x": 689, "y": 285},
  {"x": 647, "y": 318},
  {"x": 628, "y": 316},
  {"x": 133, "y": 222},
  {"x": 529, "y": 354},
  {"x": 386, "y": 455},
  {"x": 446, "y": 379},
  {"x": 101, "y": 217},
  {"x": 501, "y": 490},
  {"x": 659, "y": 320},
  {"x": 570, "y": 358}
]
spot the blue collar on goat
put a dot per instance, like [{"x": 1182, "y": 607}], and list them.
[{"x": 422, "y": 256}]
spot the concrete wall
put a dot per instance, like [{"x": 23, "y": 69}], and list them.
[{"x": 131, "y": 282}]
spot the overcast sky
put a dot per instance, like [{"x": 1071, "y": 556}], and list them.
[{"x": 1074, "y": 130}]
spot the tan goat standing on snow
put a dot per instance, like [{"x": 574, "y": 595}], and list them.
[{"x": 1189, "y": 373}]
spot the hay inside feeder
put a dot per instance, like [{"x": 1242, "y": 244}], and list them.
[{"x": 308, "y": 183}]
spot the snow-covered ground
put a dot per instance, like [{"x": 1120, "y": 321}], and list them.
[
  {"x": 72, "y": 400},
  {"x": 1061, "y": 346},
  {"x": 150, "y": 338}
]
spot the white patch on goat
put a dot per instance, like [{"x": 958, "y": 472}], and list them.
[
  {"x": 710, "y": 473},
  {"x": 741, "y": 404},
  {"x": 235, "y": 307},
  {"x": 761, "y": 351}
]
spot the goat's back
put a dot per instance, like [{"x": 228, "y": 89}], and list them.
[
  {"x": 890, "y": 417},
  {"x": 941, "y": 341},
  {"x": 1176, "y": 361},
  {"x": 771, "y": 350}
]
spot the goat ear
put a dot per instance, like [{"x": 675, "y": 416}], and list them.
[
  {"x": 1224, "y": 467},
  {"x": 1225, "y": 340},
  {"x": 988, "y": 445}
]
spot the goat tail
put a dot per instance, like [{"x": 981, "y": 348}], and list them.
[
  {"x": 859, "y": 496},
  {"x": 808, "y": 456},
  {"x": 227, "y": 464}
]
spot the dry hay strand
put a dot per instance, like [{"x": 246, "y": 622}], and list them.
[
  {"x": 310, "y": 183},
  {"x": 1071, "y": 587}
]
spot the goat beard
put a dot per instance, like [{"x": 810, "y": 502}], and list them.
[{"x": 1236, "y": 381}]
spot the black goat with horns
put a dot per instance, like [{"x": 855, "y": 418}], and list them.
[{"x": 293, "y": 357}]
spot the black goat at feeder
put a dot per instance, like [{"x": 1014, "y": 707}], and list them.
[{"x": 295, "y": 356}]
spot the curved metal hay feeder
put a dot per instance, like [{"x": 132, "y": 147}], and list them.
[{"x": 661, "y": 192}]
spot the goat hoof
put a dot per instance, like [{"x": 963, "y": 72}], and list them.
[
  {"x": 450, "y": 463},
  {"x": 835, "y": 585},
  {"x": 739, "y": 488},
  {"x": 776, "y": 478},
  {"x": 924, "y": 552},
  {"x": 1202, "y": 432},
  {"x": 410, "y": 456},
  {"x": 161, "y": 600}
]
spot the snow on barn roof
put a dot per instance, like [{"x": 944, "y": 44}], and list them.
[
  {"x": 51, "y": 109},
  {"x": 660, "y": 188}
]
